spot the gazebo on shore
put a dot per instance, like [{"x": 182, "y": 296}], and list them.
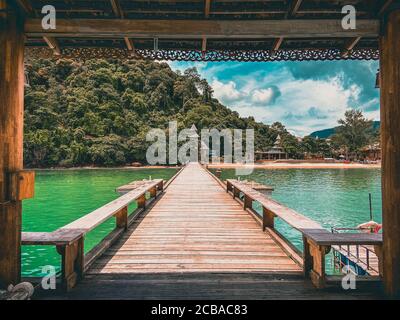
[
  {"x": 194, "y": 30},
  {"x": 277, "y": 152}
]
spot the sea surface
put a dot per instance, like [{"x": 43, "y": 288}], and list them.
[
  {"x": 332, "y": 197},
  {"x": 62, "y": 196}
]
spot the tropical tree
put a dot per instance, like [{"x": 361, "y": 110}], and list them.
[{"x": 354, "y": 132}]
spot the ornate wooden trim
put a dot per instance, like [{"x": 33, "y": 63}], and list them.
[{"x": 210, "y": 55}]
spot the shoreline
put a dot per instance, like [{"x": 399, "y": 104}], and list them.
[
  {"x": 104, "y": 168},
  {"x": 305, "y": 165}
]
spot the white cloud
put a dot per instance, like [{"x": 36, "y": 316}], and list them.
[
  {"x": 262, "y": 95},
  {"x": 273, "y": 93},
  {"x": 226, "y": 92}
]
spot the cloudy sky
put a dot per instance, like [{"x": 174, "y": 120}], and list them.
[{"x": 304, "y": 96}]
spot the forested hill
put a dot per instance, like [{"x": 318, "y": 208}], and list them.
[
  {"x": 99, "y": 112},
  {"x": 327, "y": 133}
]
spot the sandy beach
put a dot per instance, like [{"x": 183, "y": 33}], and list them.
[{"x": 304, "y": 165}]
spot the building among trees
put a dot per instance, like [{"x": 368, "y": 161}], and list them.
[
  {"x": 277, "y": 152},
  {"x": 371, "y": 152}
]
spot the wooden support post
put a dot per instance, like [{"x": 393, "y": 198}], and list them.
[
  {"x": 228, "y": 186},
  {"x": 247, "y": 202},
  {"x": 314, "y": 262},
  {"x": 73, "y": 262},
  {"x": 317, "y": 274},
  {"x": 121, "y": 218},
  {"x": 235, "y": 192},
  {"x": 22, "y": 185},
  {"x": 307, "y": 258},
  {"x": 268, "y": 219},
  {"x": 379, "y": 254},
  {"x": 12, "y": 41},
  {"x": 153, "y": 192},
  {"x": 390, "y": 140},
  {"x": 160, "y": 186},
  {"x": 141, "y": 201}
]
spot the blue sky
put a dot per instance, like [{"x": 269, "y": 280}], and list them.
[{"x": 304, "y": 96}]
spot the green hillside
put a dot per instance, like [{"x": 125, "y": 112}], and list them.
[
  {"x": 326, "y": 133},
  {"x": 98, "y": 112}
]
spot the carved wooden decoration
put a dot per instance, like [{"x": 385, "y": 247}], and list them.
[{"x": 210, "y": 55}]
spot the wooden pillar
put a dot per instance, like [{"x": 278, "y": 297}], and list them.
[
  {"x": 390, "y": 140},
  {"x": 235, "y": 192},
  {"x": 268, "y": 219},
  {"x": 11, "y": 138},
  {"x": 73, "y": 263},
  {"x": 121, "y": 218},
  {"x": 141, "y": 201},
  {"x": 247, "y": 202},
  {"x": 153, "y": 192},
  {"x": 307, "y": 258}
]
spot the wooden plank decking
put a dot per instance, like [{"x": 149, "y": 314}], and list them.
[{"x": 195, "y": 227}]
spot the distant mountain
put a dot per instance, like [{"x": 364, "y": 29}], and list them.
[{"x": 326, "y": 133}]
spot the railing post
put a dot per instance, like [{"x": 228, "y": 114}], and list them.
[
  {"x": 307, "y": 258},
  {"x": 379, "y": 254},
  {"x": 73, "y": 262},
  {"x": 235, "y": 192},
  {"x": 247, "y": 202},
  {"x": 268, "y": 219},
  {"x": 314, "y": 262},
  {"x": 153, "y": 192},
  {"x": 141, "y": 201},
  {"x": 160, "y": 186},
  {"x": 121, "y": 218}
]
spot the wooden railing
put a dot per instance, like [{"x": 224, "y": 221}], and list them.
[
  {"x": 69, "y": 239},
  {"x": 317, "y": 241}
]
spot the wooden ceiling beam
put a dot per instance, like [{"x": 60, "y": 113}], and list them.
[
  {"x": 116, "y": 7},
  {"x": 293, "y": 8},
  {"x": 26, "y": 6},
  {"x": 129, "y": 44},
  {"x": 53, "y": 45},
  {"x": 384, "y": 7},
  {"x": 190, "y": 29},
  {"x": 351, "y": 43},
  {"x": 207, "y": 8},
  {"x": 204, "y": 44},
  {"x": 277, "y": 44}
]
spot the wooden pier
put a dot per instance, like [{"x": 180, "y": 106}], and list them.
[
  {"x": 199, "y": 238},
  {"x": 195, "y": 226}
]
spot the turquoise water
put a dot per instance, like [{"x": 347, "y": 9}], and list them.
[
  {"x": 332, "y": 197},
  {"x": 63, "y": 196}
]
